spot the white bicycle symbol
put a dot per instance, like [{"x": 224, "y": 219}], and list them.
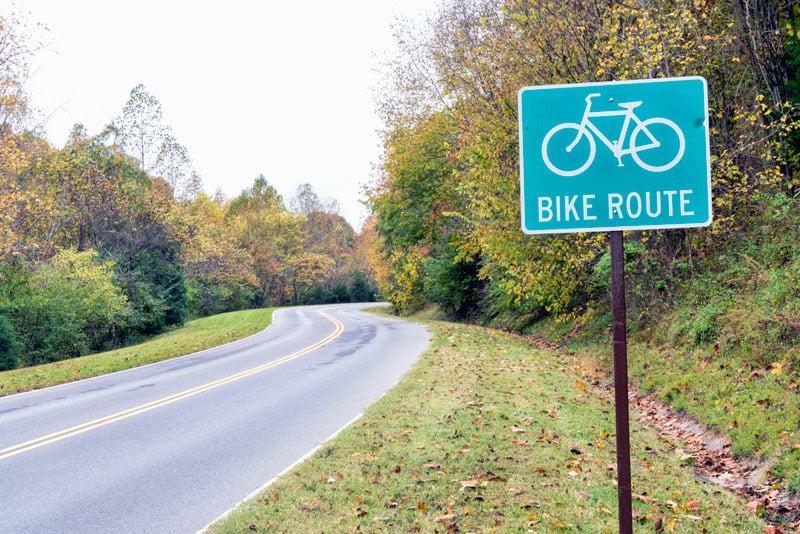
[{"x": 586, "y": 131}]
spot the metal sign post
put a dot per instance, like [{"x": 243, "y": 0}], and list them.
[
  {"x": 620, "y": 336},
  {"x": 608, "y": 157}
]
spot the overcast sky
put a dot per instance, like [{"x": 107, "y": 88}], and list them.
[{"x": 283, "y": 89}]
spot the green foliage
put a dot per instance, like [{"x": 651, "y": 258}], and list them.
[
  {"x": 10, "y": 347},
  {"x": 209, "y": 296},
  {"x": 451, "y": 178},
  {"x": 196, "y": 335},
  {"x": 67, "y": 307},
  {"x": 648, "y": 279},
  {"x": 405, "y": 286},
  {"x": 129, "y": 196},
  {"x": 261, "y": 196},
  {"x": 453, "y": 284},
  {"x": 360, "y": 289},
  {"x": 148, "y": 267},
  {"x": 460, "y": 157}
]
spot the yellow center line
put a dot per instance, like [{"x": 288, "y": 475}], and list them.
[{"x": 158, "y": 403}]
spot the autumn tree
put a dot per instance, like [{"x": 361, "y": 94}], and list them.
[
  {"x": 469, "y": 63},
  {"x": 327, "y": 233},
  {"x": 270, "y": 234},
  {"x": 16, "y": 144},
  {"x": 219, "y": 272},
  {"x": 142, "y": 134}
]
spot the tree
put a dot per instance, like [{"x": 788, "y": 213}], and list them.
[
  {"x": 15, "y": 144},
  {"x": 91, "y": 196},
  {"x": 458, "y": 82},
  {"x": 16, "y": 49},
  {"x": 142, "y": 134},
  {"x": 140, "y": 130},
  {"x": 219, "y": 273},
  {"x": 10, "y": 347},
  {"x": 270, "y": 234},
  {"x": 261, "y": 196},
  {"x": 304, "y": 272},
  {"x": 306, "y": 201},
  {"x": 68, "y": 307},
  {"x": 174, "y": 166}
]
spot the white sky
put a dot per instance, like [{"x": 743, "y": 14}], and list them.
[{"x": 283, "y": 89}]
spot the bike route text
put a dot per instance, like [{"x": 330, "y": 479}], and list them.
[{"x": 616, "y": 206}]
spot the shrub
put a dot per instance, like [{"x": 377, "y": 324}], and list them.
[{"x": 10, "y": 346}]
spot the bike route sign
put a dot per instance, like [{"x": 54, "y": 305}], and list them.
[{"x": 630, "y": 155}]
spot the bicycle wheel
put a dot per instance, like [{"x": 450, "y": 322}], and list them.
[
  {"x": 573, "y": 149},
  {"x": 663, "y": 146}
]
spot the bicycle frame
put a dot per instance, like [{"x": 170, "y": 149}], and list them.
[{"x": 614, "y": 146}]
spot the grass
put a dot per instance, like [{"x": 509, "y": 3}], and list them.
[
  {"x": 194, "y": 336},
  {"x": 488, "y": 434},
  {"x": 727, "y": 353}
]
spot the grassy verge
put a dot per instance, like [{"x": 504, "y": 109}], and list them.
[
  {"x": 487, "y": 434},
  {"x": 194, "y": 336},
  {"x": 756, "y": 405}
]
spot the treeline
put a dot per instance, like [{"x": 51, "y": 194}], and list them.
[
  {"x": 110, "y": 238},
  {"x": 447, "y": 207}
]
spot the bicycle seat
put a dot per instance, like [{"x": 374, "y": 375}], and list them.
[{"x": 630, "y": 105}]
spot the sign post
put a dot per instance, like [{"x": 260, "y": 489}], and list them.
[
  {"x": 609, "y": 157},
  {"x": 620, "y": 341}
]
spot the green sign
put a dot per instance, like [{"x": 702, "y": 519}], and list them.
[{"x": 630, "y": 155}]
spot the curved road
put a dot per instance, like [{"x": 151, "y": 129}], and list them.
[{"x": 171, "y": 446}]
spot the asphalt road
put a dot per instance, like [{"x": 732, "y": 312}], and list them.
[{"x": 169, "y": 447}]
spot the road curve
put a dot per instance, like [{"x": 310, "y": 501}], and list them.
[{"x": 169, "y": 447}]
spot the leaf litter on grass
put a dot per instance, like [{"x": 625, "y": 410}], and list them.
[{"x": 488, "y": 433}]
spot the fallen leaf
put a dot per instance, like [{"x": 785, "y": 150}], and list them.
[
  {"x": 755, "y": 504},
  {"x": 469, "y": 484},
  {"x": 519, "y": 442},
  {"x": 517, "y": 429},
  {"x": 445, "y": 517},
  {"x": 691, "y": 506}
]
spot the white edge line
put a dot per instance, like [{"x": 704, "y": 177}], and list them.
[
  {"x": 305, "y": 457},
  {"x": 274, "y": 479}
]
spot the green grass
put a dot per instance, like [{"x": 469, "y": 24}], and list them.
[
  {"x": 194, "y": 336},
  {"x": 487, "y": 433}
]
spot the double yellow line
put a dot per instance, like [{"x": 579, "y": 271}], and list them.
[{"x": 136, "y": 410}]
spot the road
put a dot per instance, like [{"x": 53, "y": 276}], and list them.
[{"x": 171, "y": 446}]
